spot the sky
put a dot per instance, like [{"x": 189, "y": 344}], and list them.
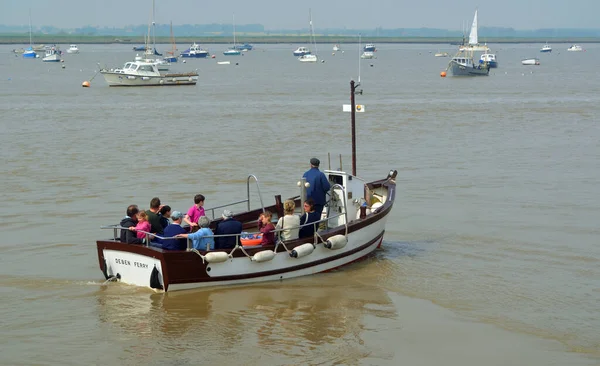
[{"x": 288, "y": 14}]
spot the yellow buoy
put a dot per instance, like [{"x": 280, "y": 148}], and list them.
[
  {"x": 443, "y": 74},
  {"x": 85, "y": 84}
]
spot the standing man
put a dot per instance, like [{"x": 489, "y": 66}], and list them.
[
  {"x": 319, "y": 185},
  {"x": 153, "y": 219}
]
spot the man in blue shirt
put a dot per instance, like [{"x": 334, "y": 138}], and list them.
[
  {"x": 319, "y": 185},
  {"x": 172, "y": 230}
]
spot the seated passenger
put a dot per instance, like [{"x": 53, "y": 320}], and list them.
[
  {"x": 143, "y": 226},
  {"x": 173, "y": 230},
  {"x": 203, "y": 238},
  {"x": 289, "y": 223},
  {"x": 228, "y": 226},
  {"x": 266, "y": 228},
  {"x": 129, "y": 221},
  {"x": 164, "y": 215},
  {"x": 309, "y": 216}
]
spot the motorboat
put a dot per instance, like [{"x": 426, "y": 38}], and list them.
[
  {"x": 232, "y": 52},
  {"x": 351, "y": 227},
  {"x": 441, "y": 54},
  {"x": 369, "y": 47},
  {"x": 368, "y": 55},
  {"x": 142, "y": 73},
  {"x": 336, "y": 48},
  {"x": 462, "y": 65},
  {"x": 162, "y": 64},
  {"x": 530, "y": 61},
  {"x": 73, "y": 49},
  {"x": 575, "y": 48},
  {"x": 195, "y": 51},
  {"x": 52, "y": 54},
  {"x": 489, "y": 58},
  {"x": 301, "y": 51},
  {"x": 308, "y": 58},
  {"x": 244, "y": 47},
  {"x": 546, "y": 48}
]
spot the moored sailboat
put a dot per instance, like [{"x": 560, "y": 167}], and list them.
[
  {"x": 233, "y": 51},
  {"x": 310, "y": 57}
]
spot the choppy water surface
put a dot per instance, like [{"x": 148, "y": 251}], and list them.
[{"x": 491, "y": 254}]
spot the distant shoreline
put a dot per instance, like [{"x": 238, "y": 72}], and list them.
[{"x": 78, "y": 39}]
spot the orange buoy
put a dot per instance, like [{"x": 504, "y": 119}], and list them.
[
  {"x": 85, "y": 84},
  {"x": 443, "y": 74}
]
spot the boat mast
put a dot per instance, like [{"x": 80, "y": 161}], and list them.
[
  {"x": 234, "y": 31},
  {"x": 353, "y": 87},
  {"x": 153, "y": 29},
  {"x": 30, "y": 42}
]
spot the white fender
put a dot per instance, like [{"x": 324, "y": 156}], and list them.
[
  {"x": 216, "y": 257},
  {"x": 336, "y": 242},
  {"x": 130, "y": 77},
  {"x": 302, "y": 250},
  {"x": 263, "y": 256},
  {"x": 375, "y": 206}
]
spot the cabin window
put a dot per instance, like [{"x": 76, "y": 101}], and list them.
[{"x": 336, "y": 179}]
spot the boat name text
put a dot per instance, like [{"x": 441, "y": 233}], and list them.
[{"x": 125, "y": 262}]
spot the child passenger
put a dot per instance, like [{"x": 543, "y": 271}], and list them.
[
  {"x": 142, "y": 225},
  {"x": 266, "y": 228},
  {"x": 195, "y": 212}
]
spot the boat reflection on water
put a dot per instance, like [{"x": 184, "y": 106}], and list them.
[{"x": 282, "y": 316}]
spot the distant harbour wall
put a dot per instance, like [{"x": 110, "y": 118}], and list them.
[{"x": 81, "y": 39}]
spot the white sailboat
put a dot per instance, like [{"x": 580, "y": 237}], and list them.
[
  {"x": 310, "y": 57},
  {"x": 233, "y": 51},
  {"x": 29, "y": 52},
  {"x": 473, "y": 44}
]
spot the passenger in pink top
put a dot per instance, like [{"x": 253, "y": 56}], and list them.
[
  {"x": 195, "y": 211},
  {"x": 142, "y": 225}
]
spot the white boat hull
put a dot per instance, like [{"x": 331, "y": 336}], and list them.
[
  {"x": 531, "y": 61},
  {"x": 308, "y": 58},
  {"x": 120, "y": 79},
  {"x": 52, "y": 58},
  {"x": 136, "y": 269}
]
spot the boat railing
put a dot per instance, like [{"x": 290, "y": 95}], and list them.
[
  {"x": 149, "y": 236},
  {"x": 344, "y": 195},
  {"x": 276, "y": 231},
  {"x": 247, "y": 200}
]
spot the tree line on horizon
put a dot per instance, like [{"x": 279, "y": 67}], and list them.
[{"x": 190, "y": 30}]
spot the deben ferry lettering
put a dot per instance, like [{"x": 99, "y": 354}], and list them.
[{"x": 125, "y": 262}]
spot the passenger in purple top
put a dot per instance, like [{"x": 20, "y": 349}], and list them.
[{"x": 195, "y": 212}]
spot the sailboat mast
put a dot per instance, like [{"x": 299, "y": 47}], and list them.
[
  {"x": 312, "y": 39},
  {"x": 233, "y": 30},
  {"x": 353, "y": 118},
  {"x": 153, "y": 28},
  {"x": 30, "y": 42}
]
